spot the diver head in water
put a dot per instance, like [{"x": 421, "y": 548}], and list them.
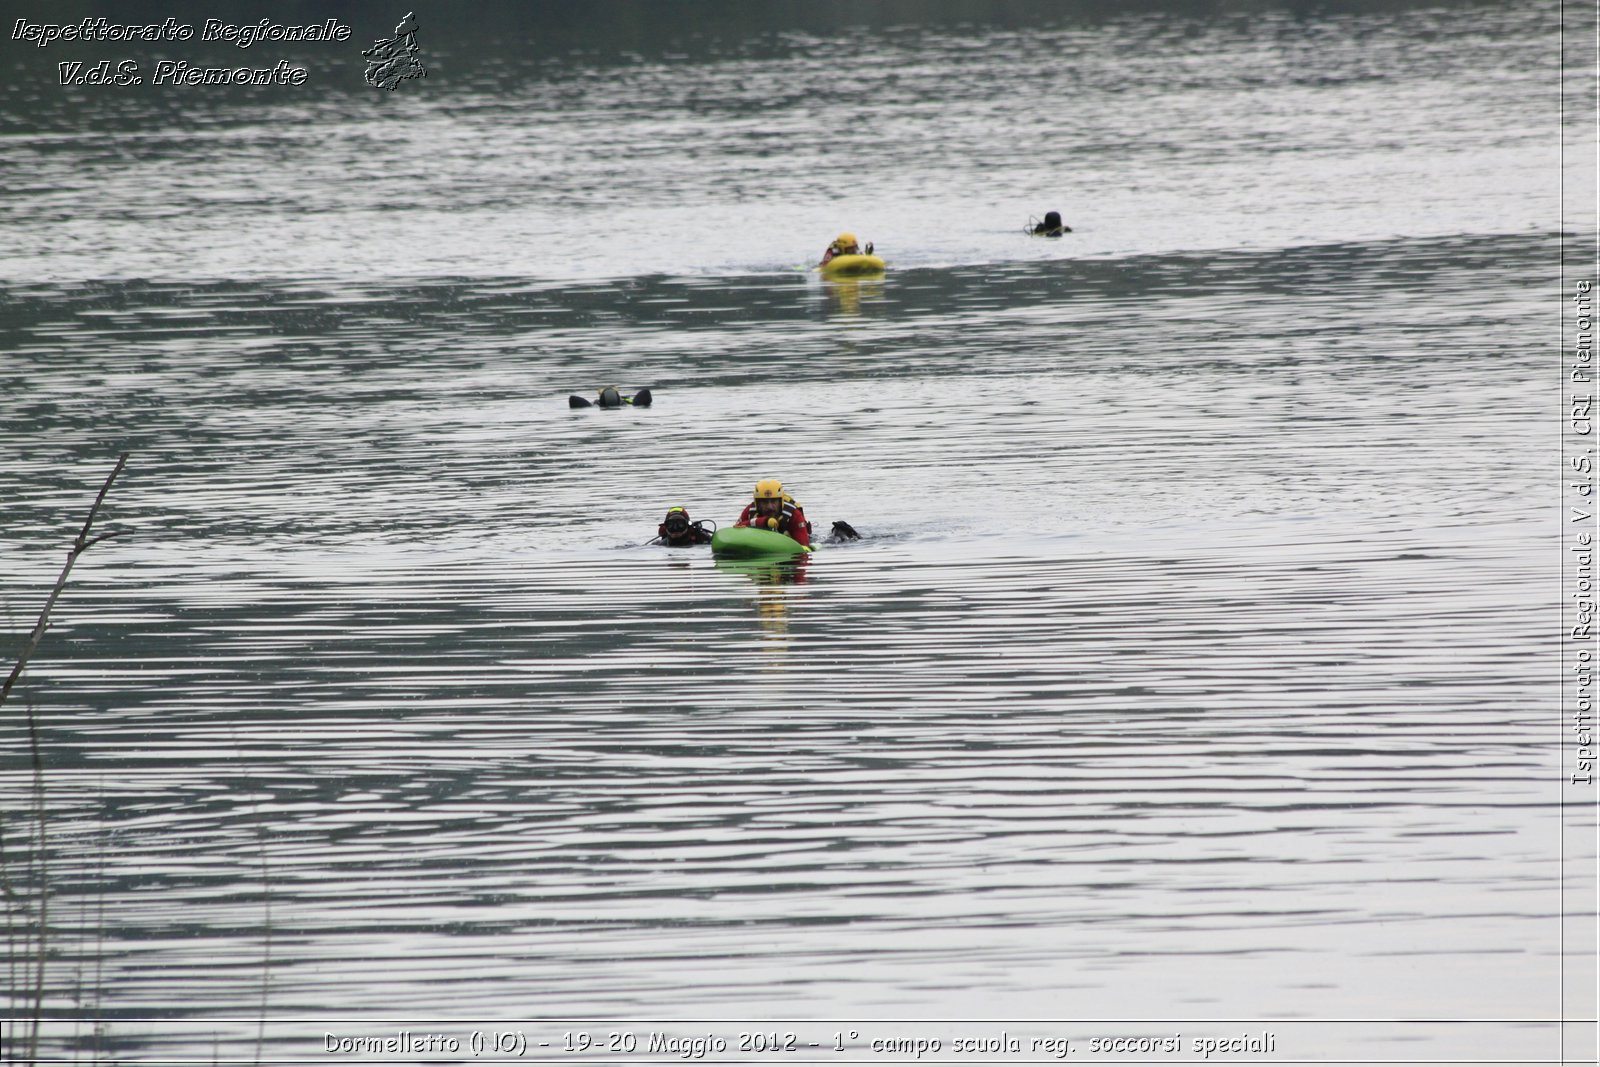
[
  {"x": 1051, "y": 226},
  {"x": 677, "y": 530}
]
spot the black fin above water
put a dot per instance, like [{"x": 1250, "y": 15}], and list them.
[
  {"x": 578, "y": 402},
  {"x": 641, "y": 399},
  {"x": 844, "y": 531}
]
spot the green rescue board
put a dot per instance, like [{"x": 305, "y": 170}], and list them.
[{"x": 743, "y": 542}]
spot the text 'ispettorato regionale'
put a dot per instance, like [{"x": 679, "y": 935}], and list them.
[{"x": 104, "y": 30}]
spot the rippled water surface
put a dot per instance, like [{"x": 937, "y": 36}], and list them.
[{"x": 1194, "y": 663}]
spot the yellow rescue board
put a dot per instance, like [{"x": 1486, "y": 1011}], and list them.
[{"x": 845, "y": 266}]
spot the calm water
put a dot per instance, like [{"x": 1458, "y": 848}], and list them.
[{"x": 1194, "y": 667}]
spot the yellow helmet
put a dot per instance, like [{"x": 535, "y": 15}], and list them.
[
  {"x": 769, "y": 489},
  {"x": 843, "y": 241}
]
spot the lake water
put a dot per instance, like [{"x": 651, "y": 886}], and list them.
[{"x": 1194, "y": 674}]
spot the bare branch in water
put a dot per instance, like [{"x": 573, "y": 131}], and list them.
[{"x": 78, "y": 546}]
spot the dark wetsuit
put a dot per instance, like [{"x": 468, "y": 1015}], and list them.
[
  {"x": 1051, "y": 226},
  {"x": 694, "y": 535}
]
